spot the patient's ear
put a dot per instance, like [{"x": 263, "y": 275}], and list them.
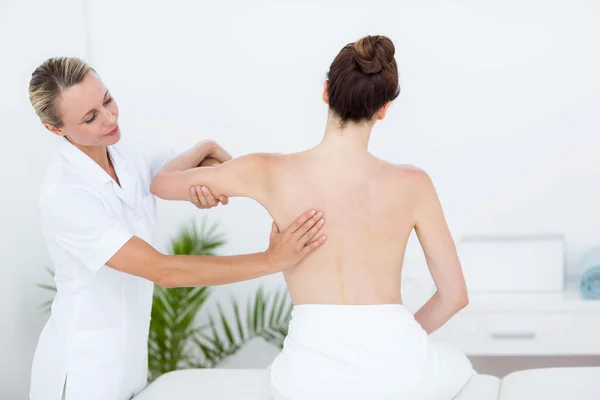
[
  {"x": 325, "y": 96},
  {"x": 383, "y": 110}
]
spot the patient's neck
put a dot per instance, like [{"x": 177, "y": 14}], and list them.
[{"x": 351, "y": 136}]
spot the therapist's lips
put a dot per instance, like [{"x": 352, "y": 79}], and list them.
[{"x": 114, "y": 131}]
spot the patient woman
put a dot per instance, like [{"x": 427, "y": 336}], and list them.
[{"x": 350, "y": 337}]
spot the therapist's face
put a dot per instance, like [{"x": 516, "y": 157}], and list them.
[{"x": 89, "y": 114}]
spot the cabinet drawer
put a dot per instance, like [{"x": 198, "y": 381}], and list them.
[{"x": 523, "y": 333}]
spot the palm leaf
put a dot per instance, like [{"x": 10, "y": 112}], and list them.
[
  {"x": 45, "y": 306},
  {"x": 173, "y": 330},
  {"x": 274, "y": 309},
  {"x": 238, "y": 320},
  {"x": 256, "y": 312},
  {"x": 225, "y": 325},
  {"x": 266, "y": 317},
  {"x": 249, "y": 319},
  {"x": 47, "y": 287}
]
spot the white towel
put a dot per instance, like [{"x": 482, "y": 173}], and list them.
[{"x": 374, "y": 352}]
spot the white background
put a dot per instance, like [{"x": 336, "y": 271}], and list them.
[{"x": 499, "y": 104}]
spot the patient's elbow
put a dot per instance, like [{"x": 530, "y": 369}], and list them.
[
  {"x": 462, "y": 300},
  {"x": 456, "y": 300},
  {"x": 156, "y": 186}
]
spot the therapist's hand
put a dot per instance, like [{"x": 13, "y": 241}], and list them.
[
  {"x": 288, "y": 248},
  {"x": 216, "y": 154},
  {"x": 202, "y": 198}
]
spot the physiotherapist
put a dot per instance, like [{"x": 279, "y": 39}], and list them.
[{"x": 98, "y": 220}]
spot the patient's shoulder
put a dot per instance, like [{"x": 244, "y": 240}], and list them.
[
  {"x": 414, "y": 182},
  {"x": 411, "y": 173},
  {"x": 258, "y": 159},
  {"x": 262, "y": 163},
  {"x": 278, "y": 160}
]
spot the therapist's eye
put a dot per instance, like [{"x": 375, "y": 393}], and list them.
[{"x": 89, "y": 121}]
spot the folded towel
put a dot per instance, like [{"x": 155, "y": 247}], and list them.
[{"x": 589, "y": 283}]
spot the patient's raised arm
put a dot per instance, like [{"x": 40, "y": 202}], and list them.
[{"x": 246, "y": 176}]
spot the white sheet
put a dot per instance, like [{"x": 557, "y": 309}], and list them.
[
  {"x": 481, "y": 387},
  {"x": 572, "y": 383},
  {"x": 253, "y": 384}
]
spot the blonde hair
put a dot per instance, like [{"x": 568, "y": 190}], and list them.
[{"x": 49, "y": 80}]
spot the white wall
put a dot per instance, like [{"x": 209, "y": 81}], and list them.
[
  {"x": 30, "y": 32},
  {"x": 499, "y": 103}
]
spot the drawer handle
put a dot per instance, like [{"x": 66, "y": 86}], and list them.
[{"x": 513, "y": 335}]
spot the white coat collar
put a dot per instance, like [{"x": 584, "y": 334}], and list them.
[
  {"x": 83, "y": 163},
  {"x": 87, "y": 167}
]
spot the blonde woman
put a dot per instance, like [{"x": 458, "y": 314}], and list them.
[
  {"x": 98, "y": 219},
  {"x": 350, "y": 336}
]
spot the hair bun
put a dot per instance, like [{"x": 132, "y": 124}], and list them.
[{"x": 374, "y": 53}]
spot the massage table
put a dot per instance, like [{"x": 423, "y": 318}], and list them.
[{"x": 571, "y": 383}]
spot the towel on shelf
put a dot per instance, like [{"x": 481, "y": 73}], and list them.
[{"x": 589, "y": 283}]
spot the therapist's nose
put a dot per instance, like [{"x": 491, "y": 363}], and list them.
[{"x": 111, "y": 119}]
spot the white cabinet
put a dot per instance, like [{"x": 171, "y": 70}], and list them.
[
  {"x": 525, "y": 324},
  {"x": 513, "y": 263}
]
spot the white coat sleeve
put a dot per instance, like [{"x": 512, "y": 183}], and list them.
[
  {"x": 156, "y": 154},
  {"x": 77, "y": 220}
]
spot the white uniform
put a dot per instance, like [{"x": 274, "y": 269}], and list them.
[{"x": 97, "y": 335}]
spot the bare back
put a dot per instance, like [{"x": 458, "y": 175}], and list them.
[
  {"x": 368, "y": 205},
  {"x": 371, "y": 208}
]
